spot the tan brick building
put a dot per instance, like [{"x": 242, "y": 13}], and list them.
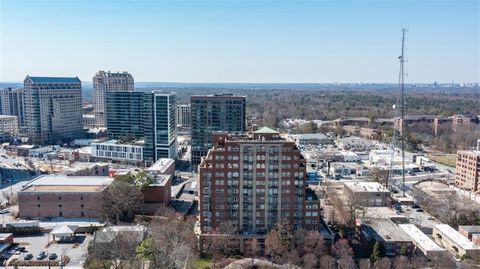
[
  {"x": 467, "y": 175},
  {"x": 62, "y": 196}
]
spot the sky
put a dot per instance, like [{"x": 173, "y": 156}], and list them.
[{"x": 241, "y": 41}]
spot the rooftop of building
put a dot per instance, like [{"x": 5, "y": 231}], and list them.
[
  {"x": 108, "y": 234},
  {"x": 54, "y": 79},
  {"x": 63, "y": 180},
  {"x": 421, "y": 239},
  {"x": 218, "y": 96},
  {"x": 161, "y": 165},
  {"x": 354, "y": 139},
  {"x": 265, "y": 130},
  {"x": 470, "y": 228},
  {"x": 4, "y": 236},
  {"x": 312, "y": 136},
  {"x": 132, "y": 142},
  {"x": 388, "y": 230},
  {"x": 160, "y": 180},
  {"x": 365, "y": 187},
  {"x": 64, "y": 188},
  {"x": 455, "y": 236},
  {"x": 4, "y": 117}
]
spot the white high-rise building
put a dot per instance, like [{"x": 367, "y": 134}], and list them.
[
  {"x": 104, "y": 82},
  {"x": 183, "y": 116},
  {"x": 53, "y": 109}
]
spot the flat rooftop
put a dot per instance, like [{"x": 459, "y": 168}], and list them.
[
  {"x": 455, "y": 236},
  {"x": 365, "y": 187},
  {"x": 7, "y": 117},
  {"x": 62, "y": 188},
  {"x": 63, "y": 180},
  {"x": 160, "y": 180},
  {"x": 161, "y": 165},
  {"x": 470, "y": 228},
  {"x": 388, "y": 230},
  {"x": 421, "y": 240}
]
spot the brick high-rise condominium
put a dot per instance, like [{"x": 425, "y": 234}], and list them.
[
  {"x": 467, "y": 174},
  {"x": 251, "y": 181}
]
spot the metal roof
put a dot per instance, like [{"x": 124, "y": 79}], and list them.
[
  {"x": 265, "y": 130},
  {"x": 54, "y": 79}
]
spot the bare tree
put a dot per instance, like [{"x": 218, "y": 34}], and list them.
[
  {"x": 379, "y": 175},
  {"x": 174, "y": 241},
  {"x": 442, "y": 261},
  {"x": 383, "y": 263},
  {"x": 328, "y": 262},
  {"x": 365, "y": 264},
  {"x": 342, "y": 248},
  {"x": 121, "y": 201},
  {"x": 401, "y": 262},
  {"x": 346, "y": 262}
]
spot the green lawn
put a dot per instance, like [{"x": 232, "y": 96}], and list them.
[
  {"x": 446, "y": 159},
  {"x": 201, "y": 263}
]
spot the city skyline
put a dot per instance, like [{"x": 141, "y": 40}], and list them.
[{"x": 238, "y": 42}]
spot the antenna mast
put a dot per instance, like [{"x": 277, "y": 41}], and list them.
[{"x": 402, "y": 107}]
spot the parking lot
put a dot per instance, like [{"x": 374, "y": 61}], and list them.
[{"x": 35, "y": 244}]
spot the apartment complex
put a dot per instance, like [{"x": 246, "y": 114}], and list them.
[
  {"x": 116, "y": 151},
  {"x": 104, "y": 82},
  {"x": 11, "y": 103},
  {"x": 62, "y": 196},
  {"x": 8, "y": 127},
  {"x": 146, "y": 115},
  {"x": 467, "y": 172},
  {"x": 253, "y": 180},
  {"x": 53, "y": 109},
  {"x": 212, "y": 113},
  {"x": 184, "y": 116}
]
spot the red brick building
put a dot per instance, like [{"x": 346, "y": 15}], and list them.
[
  {"x": 251, "y": 181},
  {"x": 467, "y": 172},
  {"x": 62, "y": 196}
]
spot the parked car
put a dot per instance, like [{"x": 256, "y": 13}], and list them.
[
  {"x": 4, "y": 211},
  {"x": 21, "y": 249},
  {"x": 28, "y": 257},
  {"x": 415, "y": 206},
  {"x": 52, "y": 256},
  {"x": 419, "y": 210},
  {"x": 14, "y": 252},
  {"x": 41, "y": 255}
]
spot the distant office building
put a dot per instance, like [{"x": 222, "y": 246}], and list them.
[
  {"x": 210, "y": 113},
  {"x": 11, "y": 103},
  {"x": 88, "y": 121},
  {"x": 150, "y": 116},
  {"x": 8, "y": 128},
  {"x": 53, "y": 109},
  {"x": 160, "y": 126},
  {"x": 184, "y": 116},
  {"x": 125, "y": 114},
  {"x": 104, "y": 82},
  {"x": 467, "y": 172}
]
